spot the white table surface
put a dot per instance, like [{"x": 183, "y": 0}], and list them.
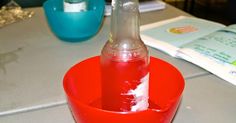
[
  {"x": 33, "y": 62},
  {"x": 206, "y": 99}
]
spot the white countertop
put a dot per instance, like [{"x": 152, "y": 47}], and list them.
[{"x": 33, "y": 62}]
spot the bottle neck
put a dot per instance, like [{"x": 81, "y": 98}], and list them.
[{"x": 125, "y": 20}]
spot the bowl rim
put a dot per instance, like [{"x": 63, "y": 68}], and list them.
[{"x": 47, "y": 5}]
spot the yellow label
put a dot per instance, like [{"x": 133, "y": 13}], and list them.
[
  {"x": 234, "y": 63},
  {"x": 182, "y": 29}
]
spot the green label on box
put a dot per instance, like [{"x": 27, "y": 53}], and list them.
[{"x": 234, "y": 63}]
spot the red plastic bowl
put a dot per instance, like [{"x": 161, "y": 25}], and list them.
[{"x": 83, "y": 90}]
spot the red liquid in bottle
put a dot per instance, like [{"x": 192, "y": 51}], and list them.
[
  {"x": 124, "y": 61},
  {"x": 120, "y": 82}
]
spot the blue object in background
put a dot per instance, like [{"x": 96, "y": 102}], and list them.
[{"x": 74, "y": 26}]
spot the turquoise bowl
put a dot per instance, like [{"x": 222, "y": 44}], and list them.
[{"x": 74, "y": 26}]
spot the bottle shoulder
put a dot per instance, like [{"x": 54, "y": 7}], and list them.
[{"x": 123, "y": 51}]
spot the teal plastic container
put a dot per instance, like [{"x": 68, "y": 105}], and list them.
[{"x": 74, "y": 26}]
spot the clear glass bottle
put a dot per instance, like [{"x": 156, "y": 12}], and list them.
[
  {"x": 125, "y": 61},
  {"x": 75, "y": 5}
]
